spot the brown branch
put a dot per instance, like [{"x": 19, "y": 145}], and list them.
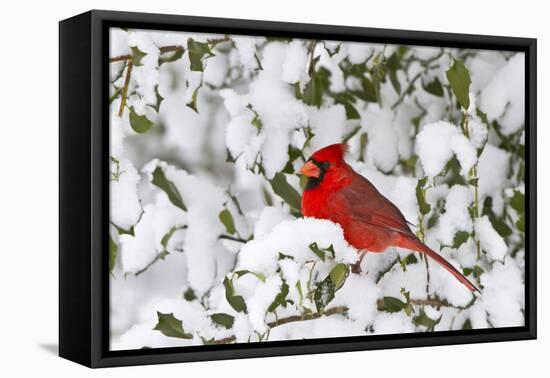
[
  {"x": 431, "y": 302},
  {"x": 165, "y": 49},
  {"x": 291, "y": 319},
  {"x": 162, "y": 50},
  {"x": 233, "y": 238},
  {"x": 120, "y": 58},
  {"x": 226, "y": 340},
  {"x": 125, "y": 88},
  {"x": 312, "y": 316}
]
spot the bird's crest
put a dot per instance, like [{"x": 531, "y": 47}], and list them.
[{"x": 332, "y": 153}]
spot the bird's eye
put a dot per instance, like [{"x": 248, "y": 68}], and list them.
[{"x": 325, "y": 165}]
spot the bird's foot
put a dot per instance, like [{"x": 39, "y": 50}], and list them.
[{"x": 356, "y": 268}]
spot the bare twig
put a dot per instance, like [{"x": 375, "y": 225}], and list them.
[
  {"x": 290, "y": 319},
  {"x": 124, "y": 94},
  {"x": 233, "y": 238}
]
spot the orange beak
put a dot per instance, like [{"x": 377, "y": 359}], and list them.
[{"x": 310, "y": 170}]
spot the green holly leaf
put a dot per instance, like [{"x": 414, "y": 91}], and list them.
[
  {"x": 140, "y": 124},
  {"x": 160, "y": 181},
  {"x": 459, "y": 78},
  {"x": 517, "y": 201},
  {"x": 240, "y": 273},
  {"x": 236, "y": 301},
  {"x": 460, "y": 238},
  {"x": 324, "y": 294},
  {"x": 193, "y": 103},
  {"x": 520, "y": 223},
  {"x": 423, "y": 205},
  {"x": 170, "y": 326},
  {"x": 321, "y": 252},
  {"x": 224, "y": 320},
  {"x": 316, "y": 87},
  {"x": 159, "y": 98},
  {"x": 280, "y": 299},
  {"x": 392, "y": 304},
  {"x": 338, "y": 275},
  {"x": 198, "y": 51},
  {"x": 227, "y": 219},
  {"x": 171, "y": 57},
  {"x": 424, "y": 320},
  {"x": 189, "y": 295},
  {"x": 284, "y": 190},
  {"x": 113, "y": 252},
  {"x": 137, "y": 56},
  {"x": 434, "y": 87}
]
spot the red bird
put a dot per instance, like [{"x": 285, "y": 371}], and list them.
[{"x": 334, "y": 191}]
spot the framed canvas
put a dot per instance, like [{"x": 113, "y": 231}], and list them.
[{"x": 234, "y": 188}]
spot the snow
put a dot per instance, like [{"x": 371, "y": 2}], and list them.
[
  {"x": 157, "y": 220},
  {"x": 269, "y": 218},
  {"x": 492, "y": 170},
  {"x": 260, "y": 255},
  {"x": 359, "y": 52},
  {"x": 146, "y": 74},
  {"x": 382, "y": 149},
  {"x": 503, "y": 294},
  {"x": 246, "y": 47},
  {"x": 259, "y": 302},
  {"x": 125, "y": 206},
  {"x": 204, "y": 202},
  {"x": 389, "y": 323},
  {"x": 328, "y": 124},
  {"x": 491, "y": 241},
  {"x": 296, "y": 63},
  {"x": 215, "y": 70},
  {"x": 436, "y": 144},
  {"x": 445, "y": 285},
  {"x": 504, "y": 95},
  {"x": 456, "y": 217}
]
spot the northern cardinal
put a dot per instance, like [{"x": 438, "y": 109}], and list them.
[{"x": 372, "y": 223}]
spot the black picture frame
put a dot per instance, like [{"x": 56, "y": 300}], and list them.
[{"x": 84, "y": 189}]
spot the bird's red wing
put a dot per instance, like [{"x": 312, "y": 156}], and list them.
[{"x": 366, "y": 204}]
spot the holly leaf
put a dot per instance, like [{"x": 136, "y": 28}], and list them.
[
  {"x": 169, "y": 58},
  {"x": 324, "y": 293},
  {"x": 137, "y": 56},
  {"x": 240, "y": 273},
  {"x": 424, "y": 320},
  {"x": 338, "y": 275},
  {"x": 227, "y": 219},
  {"x": 235, "y": 301},
  {"x": 423, "y": 205},
  {"x": 459, "y": 78},
  {"x": 460, "y": 238},
  {"x": 198, "y": 51},
  {"x": 284, "y": 190},
  {"x": 170, "y": 326},
  {"x": 224, "y": 320},
  {"x": 434, "y": 87},
  {"x": 140, "y": 123},
  {"x": 280, "y": 299},
  {"x": 316, "y": 87},
  {"x": 392, "y": 304},
  {"x": 113, "y": 251},
  {"x": 160, "y": 181},
  {"x": 189, "y": 295},
  {"x": 321, "y": 252},
  {"x": 159, "y": 99},
  {"x": 193, "y": 103},
  {"x": 517, "y": 201}
]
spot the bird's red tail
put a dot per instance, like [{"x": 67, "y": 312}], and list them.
[{"x": 417, "y": 245}]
